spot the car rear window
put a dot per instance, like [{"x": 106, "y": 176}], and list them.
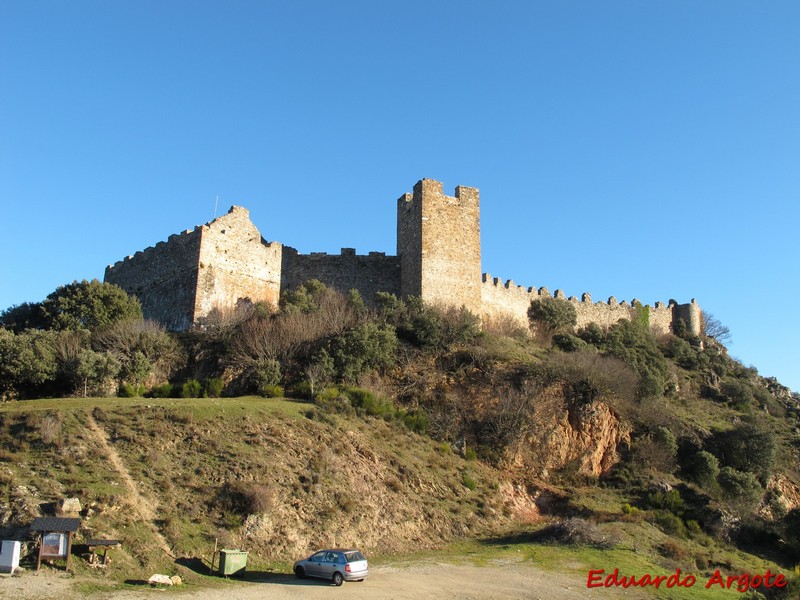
[{"x": 354, "y": 556}]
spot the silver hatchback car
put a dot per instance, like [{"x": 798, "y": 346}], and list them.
[{"x": 338, "y": 565}]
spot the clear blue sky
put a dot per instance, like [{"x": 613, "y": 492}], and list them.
[{"x": 644, "y": 150}]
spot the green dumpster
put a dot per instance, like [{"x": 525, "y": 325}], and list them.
[{"x": 232, "y": 562}]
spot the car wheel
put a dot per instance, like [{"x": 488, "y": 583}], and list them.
[
  {"x": 337, "y": 578},
  {"x": 300, "y": 572}
]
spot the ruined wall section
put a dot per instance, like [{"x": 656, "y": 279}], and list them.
[
  {"x": 369, "y": 274},
  {"x": 508, "y": 300},
  {"x": 163, "y": 278},
  {"x": 690, "y": 314},
  {"x": 236, "y": 265},
  {"x": 438, "y": 242},
  {"x": 409, "y": 244}
]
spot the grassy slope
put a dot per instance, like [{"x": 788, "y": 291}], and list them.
[{"x": 341, "y": 481}]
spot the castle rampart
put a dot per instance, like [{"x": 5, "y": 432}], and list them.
[
  {"x": 227, "y": 261},
  {"x": 508, "y": 300},
  {"x": 164, "y": 278},
  {"x": 369, "y": 274}
]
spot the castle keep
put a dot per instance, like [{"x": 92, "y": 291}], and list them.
[{"x": 222, "y": 263}]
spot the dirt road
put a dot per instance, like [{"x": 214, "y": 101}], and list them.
[{"x": 431, "y": 581}]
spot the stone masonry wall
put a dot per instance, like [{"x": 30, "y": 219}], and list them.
[
  {"x": 508, "y": 300},
  {"x": 439, "y": 245},
  {"x": 236, "y": 264},
  {"x": 163, "y": 278},
  {"x": 226, "y": 261},
  {"x": 368, "y": 274}
]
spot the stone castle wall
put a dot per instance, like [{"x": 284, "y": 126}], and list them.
[
  {"x": 438, "y": 242},
  {"x": 227, "y": 261},
  {"x": 509, "y": 300},
  {"x": 163, "y": 278},
  {"x": 236, "y": 264},
  {"x": 369, "y": 274}
]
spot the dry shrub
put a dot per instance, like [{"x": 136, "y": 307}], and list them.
[
  {"x": 506, "y": 325},
  {"x": 245, "y": 498},
  {"x": 50, "y": 428},
  {"x": 575, "y": 531},
  {"x": 595, "y": 376},
  {"x": 672, "y": 549}
]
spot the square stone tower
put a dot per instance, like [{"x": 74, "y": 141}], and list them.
[{"x": 439, "y": 246}]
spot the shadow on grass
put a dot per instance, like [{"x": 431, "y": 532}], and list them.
[{"x": 523, "y": 537}]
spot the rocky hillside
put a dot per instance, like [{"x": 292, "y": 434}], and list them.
[{"x": 408, "y": 426}]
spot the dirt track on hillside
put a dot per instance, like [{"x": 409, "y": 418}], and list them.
[{"x": 431, "y": 581}]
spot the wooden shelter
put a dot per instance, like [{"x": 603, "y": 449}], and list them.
[
  {"x": 94, "y": 547},
  {"x": 55, "y": 537}
]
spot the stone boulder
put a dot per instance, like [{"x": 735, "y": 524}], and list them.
[
  {"x": 159, "y": 579},
  {"x": 69, "y": 506}
]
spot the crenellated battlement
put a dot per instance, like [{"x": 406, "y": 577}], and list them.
[
  {"x": 227, "y": 261},
  {"x": 511, "y": 300}
]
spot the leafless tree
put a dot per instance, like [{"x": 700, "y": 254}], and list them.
[{"x": 713, "y": 328}]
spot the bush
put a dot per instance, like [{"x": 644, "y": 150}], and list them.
[
  {"x": 418, "y": 422},
  {"x": 469, "y": 482},
  {"x": 213, "y": 387},
  {"x": 672, "y": 549},
  {"x": 747, "y": 447},
  {"x": 553, "y": 314},
  {"x": 568, "y": 342},
  {"x": 693, "y": 527},
  {"x": 740, "y": 489},
  {"x": 271, "y": 391},
  {"x": 246, "y": 498},
  {"x": 369, "y": 346},
  {"x": 131, "y": 390},
  {"x": 704, "y": 469},
  {"x": 301, "y": 389},
  {"x": 592, "y": 334},
  {"x": 165, "y": 390},
  {"x": 365, "y": 402},
  {"x": 429, "y": 327},
  {"x": 669, "y": 447},
  {"x": 574, "y": 531},
  {"x": 669, "y": 523},
  {"x": 670, "y": 501},
  {"x": 264, "y": 374},
  {"x": 191, "y": 389},
  {"x": 738, "y": 394}
]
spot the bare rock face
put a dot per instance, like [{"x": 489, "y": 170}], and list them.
[
  {"x": 587, "y": 435},
  {"x": 787, "y": 495}
]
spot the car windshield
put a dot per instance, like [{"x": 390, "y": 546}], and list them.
[{"x": 354, "y": 556}]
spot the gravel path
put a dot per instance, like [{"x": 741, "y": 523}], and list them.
[{"x": 432, "y": 581}]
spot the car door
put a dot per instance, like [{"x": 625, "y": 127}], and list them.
[
  {"x": 315, "y": 565},
  {"x": 328, "y": 566}
]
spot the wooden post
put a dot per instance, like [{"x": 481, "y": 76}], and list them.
[
  {"x": 41, "y": 543},
  {"x": 69, "y": 547},
  {"x": 213, "y": 556}
]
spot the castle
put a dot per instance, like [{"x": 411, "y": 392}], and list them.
[{"x": 217, "y": 265}]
